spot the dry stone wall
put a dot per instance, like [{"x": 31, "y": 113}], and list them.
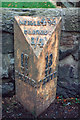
[{"x": 68, "y": 72}]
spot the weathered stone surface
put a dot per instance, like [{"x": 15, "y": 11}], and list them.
[
  {"x": 68, "y": 71},
  {"x": 69, "y": 17},
  {"x": 7, "y": 88},
  {"x": 65, "y": 53},
  {"x": 11, "y": 71},
  {"x": 69, "y": 39},
  {"x": 68, "y": 90},
  {"x": 7, "y": 43},
  {"x": 71, "y": 62},
  {"x": 76, "y": 55},
  {"x": 0, "y": 19},
  {"x": 67, "y": 81},
  {"x": 8, "y": 66},
  {"x": 36, "y": 62},
  {"x": 0, "y": 89}
]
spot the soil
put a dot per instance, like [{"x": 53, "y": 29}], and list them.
[{"x": 60, "y": 108}]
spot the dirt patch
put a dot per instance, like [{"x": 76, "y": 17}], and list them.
[{"x": 60, "y": 108}]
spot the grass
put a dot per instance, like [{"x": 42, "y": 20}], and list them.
[{"x": 27, "y": 5}]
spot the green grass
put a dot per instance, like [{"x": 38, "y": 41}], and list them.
[{"x": 27, "y": 5}]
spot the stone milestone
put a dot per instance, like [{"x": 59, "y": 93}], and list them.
[{"x": 36, "y": 42}]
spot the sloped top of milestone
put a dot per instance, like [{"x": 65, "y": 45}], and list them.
[{"x": 37, "y": 30}]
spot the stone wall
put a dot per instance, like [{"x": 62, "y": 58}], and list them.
[
  {"x": 68, "y": 77},
  {"x": 68, "y": 3}
]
